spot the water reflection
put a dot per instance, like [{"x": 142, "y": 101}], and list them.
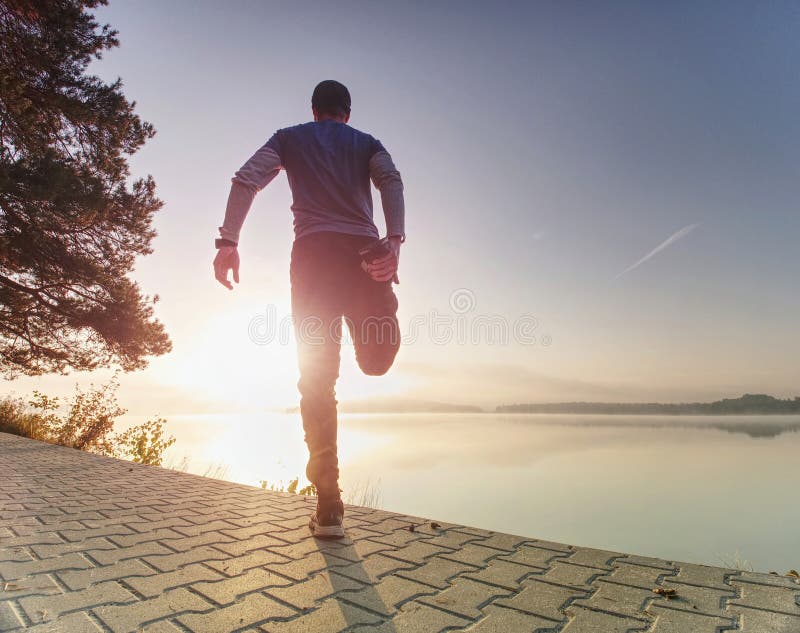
[
  {"x": 754, "y": 426},
  {"x": 690, "y": 488}
]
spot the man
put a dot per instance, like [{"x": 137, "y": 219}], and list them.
[{"x": 338, "y": 267}]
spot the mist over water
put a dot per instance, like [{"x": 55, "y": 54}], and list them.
[{"x": 705, "y": 489}]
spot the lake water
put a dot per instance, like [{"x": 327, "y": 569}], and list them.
[{"x": 712, "y": 490}]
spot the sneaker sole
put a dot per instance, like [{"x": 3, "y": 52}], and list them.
[{"x": 326, "y": 531}]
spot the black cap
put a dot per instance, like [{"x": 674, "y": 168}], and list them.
[{"x": 331, "y": 97}]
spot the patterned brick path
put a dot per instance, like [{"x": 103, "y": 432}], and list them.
[{"x": 89, "y": 543}]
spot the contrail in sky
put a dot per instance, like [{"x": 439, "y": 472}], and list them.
[{"x": 670, "y": 240}]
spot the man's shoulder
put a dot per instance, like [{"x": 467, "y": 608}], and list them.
[
  {"x": 312, "y": 126},
  {"x": 305, "y": 132}
]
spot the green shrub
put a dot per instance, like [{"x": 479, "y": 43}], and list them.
[{"x": 86, "y": 423}]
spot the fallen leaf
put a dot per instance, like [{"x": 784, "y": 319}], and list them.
[{"x": 666, "y": 592}]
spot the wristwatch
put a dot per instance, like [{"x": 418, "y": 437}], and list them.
[{"x": 221, "y": 241}]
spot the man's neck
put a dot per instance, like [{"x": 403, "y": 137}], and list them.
[{"x": 330, "y": 118}]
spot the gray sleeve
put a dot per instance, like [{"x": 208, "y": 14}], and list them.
[
  {"x": 387, "y": 180},
  {"x": 254, "y": 175}
]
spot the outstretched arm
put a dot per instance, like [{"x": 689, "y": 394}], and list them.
[
  {"x": 387, "y": 180},
  {"x": 254, "y": 175}
]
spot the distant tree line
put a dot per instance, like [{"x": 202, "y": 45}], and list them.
[{"x": 754, "y": 404}]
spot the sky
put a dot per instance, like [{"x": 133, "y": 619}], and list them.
[{"x": 601, "y": 198}]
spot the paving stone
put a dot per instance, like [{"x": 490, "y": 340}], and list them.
[
  {"x": 636, "y": 576},
  {"x": 622, "y": 600},
  {"x": 415, "y": 617},
  {"x": 229, "y": 589},
  {"x": 103, "y": 593},
  {"x": 542, "y": 599},
  {"x": 387, "y": 596},
  {"x": 308, "y": 566},
  {"x": 15, "y": 555},
  {"x": 768, "y": 579},
  {"x": 390, "y": 525},
  {"x": 126, "y": 569},
  {"x": 296, "y": 535},
  {"x": 369, "y": 571},
  {"x": 61, "y": 518},
  {"x": 646, "y": 561},
  {"x": 301, "y": 549},
  {"x": 301, "y": 513},
  {"x": 71, "y": 623},
  {"x": 9, "y": 620},
  {"x": 252, "y": 609},
  {"x": 306, "y": 594},
  {"x": 172, "y": 560},
  {"x": 135, "y": 538},
  {"x": 85, "y": 533},
  {"x": 772, "y": 598},
  {"x": 465, "y": 597},
  {"x": 358, "y": 550},
  {"x": 505, "y": 542},
  {"x": 417, "y": 552},
  {"x": 694, "y": 598},
  {"x": 473, "y": 530},
  {"x": 161, "y": 626},
  {"x": 562, "y": 572},
  {"x": 399, "y": 538},
  {"x": 674, "y": 621},
  {"x": 156, "y": 584},
  {"x": 531, "y": 556},
  {"x": 502, "y": 573},
  {"x": 235, "y": 547},
  {"x": 287, "y": 525},
  {"x": 39, "y": 585},
  {"x": 473, "y": 554},
  {"x": 452, "y": 539},
  {"x": 18, "y": 570},
  {"x": 144, "y": 525},
  {"x": 436, "y": 572},
  {"x": 60, "y": 549},
  {"x": 330, "y": 617},
  {"x": 112, "y": 556},
  {"x": 760, "y": 621},
  {"x": 216, "y": 525},
  {"x": 590, "y": 621},
  {"x": 500, "y": 620},
  {"x": 8, "y": 539},
  {"x": 355, "y": 533},
  {"x": 600, "y": 559},
  {"x": 704, "y": 576},
  {"x": 132, "y": 616}
]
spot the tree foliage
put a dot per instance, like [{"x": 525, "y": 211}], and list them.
[{"x": 71, "y": 221}]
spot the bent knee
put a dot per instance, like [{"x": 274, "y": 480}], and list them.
[
  {"x": 375, "y": 370},
  {"x": 376, "y": 365}
]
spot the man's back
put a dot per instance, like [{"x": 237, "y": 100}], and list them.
[{"x": 328, "y": 167}]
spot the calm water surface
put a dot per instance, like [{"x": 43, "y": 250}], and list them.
[{"x": 704, "y": 489}]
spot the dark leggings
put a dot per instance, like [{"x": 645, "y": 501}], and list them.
[{"x": 328, "y": 285}]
